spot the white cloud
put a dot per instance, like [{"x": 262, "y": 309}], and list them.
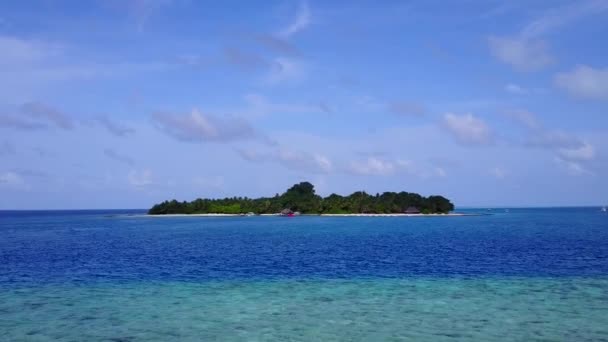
[
  {"x": 558, "y": 17},
  {"x": 291, "y": 159},
  {"x": 26, "y": 65},
  {"x": 372, "y": 166},
  {"x": 376, "y": 166},
  {"x": 553, "y": 140},
  {"x": 301, "y": 21},
  {"x": 13, "y": 180},
  {"x": 140, "y": 178},
  {"x": 584, "y": 82},
  {"x": 142, "y": 10},
  {"x": 200, "y": 127},
  {"x": 498, "y": 172},
  {"x": 323, "y": 162},
  {"x": 515, "y": 89},
  {"x": 566, "y": 145},
  {"x": 36, "y": 115},
  {"x": 42, "y": 112},
  {"x": 115, "y": 128},
  {"x": 16, "y": 51},
  {"x": 368, "y": 103},
  {"x": 521, "y": 53},
  {"x": 582, "y": 153},
  {"x": 467, "y": 129},
  {"x": 16, "y": 122},
  {"x": 526, "y": 50},
  {"x": 440, "y": 172},
  {"x": 573, "y": 168},
  {"x": 524, "y": 118},
  {"x": 285, "y": 70},
  {"x": 304, "y": 161},
  {"x": 258, "y": 106},
  {"x": 571, "y": 152}
]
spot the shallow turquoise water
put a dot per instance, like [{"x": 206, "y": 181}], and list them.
[
  {"x": 568, "y": 309},
  {"x": 525, "y": 275}
]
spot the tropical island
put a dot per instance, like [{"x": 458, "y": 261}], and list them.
[{"x": 301, "y": 198}]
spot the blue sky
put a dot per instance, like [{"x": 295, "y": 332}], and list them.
[{"x": 122, "y": 104}]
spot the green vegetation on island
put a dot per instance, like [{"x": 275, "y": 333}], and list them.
[{"x": 302, "y": 198}]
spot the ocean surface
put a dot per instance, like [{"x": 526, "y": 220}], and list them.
[{"x": 521, "y": 275}]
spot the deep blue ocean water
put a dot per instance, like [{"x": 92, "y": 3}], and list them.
[{"x": 524, "y": 274}]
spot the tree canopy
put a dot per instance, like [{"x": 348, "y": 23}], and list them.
[{"x": 302, "y": 197}]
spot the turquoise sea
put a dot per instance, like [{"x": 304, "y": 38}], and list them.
[{"x": 521, "y": 275}]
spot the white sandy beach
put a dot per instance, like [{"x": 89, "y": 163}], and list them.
[
  {"x": 390, "y": 215},
  {"x": 326, "y": 215}
]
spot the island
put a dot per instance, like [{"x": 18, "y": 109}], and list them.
[{"x": 302, "y": 199}]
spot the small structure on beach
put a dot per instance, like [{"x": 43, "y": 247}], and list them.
[
  {"x": 412, "y": 210},
  {"x": 286, "y": 212}
]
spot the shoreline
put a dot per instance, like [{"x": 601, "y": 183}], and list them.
[
  {"x": 321, "y": 215},
  {"x": 391, "y": 215}
]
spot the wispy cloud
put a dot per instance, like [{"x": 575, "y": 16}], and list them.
[
  {"x": 142, "y": 10},
  {"x": 17, "y": 51},
  {"x": 376, "y": 165},
  {"x": 43, "y": 112},
  {"x": 553, "y": 139},
  {"x": 259, "y": 106},
  {"x": 498, "y": 172},
  {"x": 521, "y": 54},
  {"x": 556, "y": 18},
  {"x": 570, "y": 152},
  {"x": 13, "y": 180},
  {"x": 467, "y": 129},
  {"x": 527, "y": 50},
  {"x": 516, "y": 89},
  {"x": 440, "y": 172},
  {"x": 583, "y": 152},
  {"x": 12, "y": 121},
  {"x": 585, "y": 82},
  {"x": 373, "y": 166},
  {"x": 141, "y": 178},
  {"x": 300, "y": 22},
  {"x": 572, "y": 167},
  {"x": 523, "y": 117},
  {"x": 115, "y": 128},
  {"x": 112, "y": 154},
  {"x": 285, "y": 70},
  {"x": 27, "y": 64},
  {"x": 291, "y": 159},
  {"x": 201, "y": 127},
  {"x": 36, "y": 115}
]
